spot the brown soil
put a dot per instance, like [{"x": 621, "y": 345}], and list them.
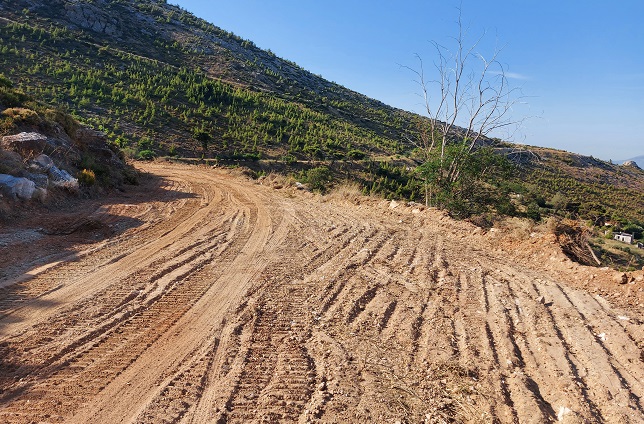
[{"x": 200, "y": 296}]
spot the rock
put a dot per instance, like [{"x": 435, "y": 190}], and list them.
[
  {"x": 41, "y": 180},
  {"x": 17, "y": 188},
  {"x": 43, "y": 162},
  {"x": 393, "y": 204},
  {"x": 25, "y": 143},
  {"x": 40, "y": 194},
  {"x": 621, "y": 278},
  {"x": 89, "y": 16},
  {"x": 631, "y": 163},
  {"x": 62, "y": 178}
]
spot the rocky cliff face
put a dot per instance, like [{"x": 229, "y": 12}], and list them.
[{"x": 90, "y": 16}]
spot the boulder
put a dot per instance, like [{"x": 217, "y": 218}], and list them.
[
  {"x": 16, "y": 187},
  {"x": 43, "y": 162},
  {"x": 41, "y": 180},
  {"x": 25, "y": 143},
  {"x": 631, "y": 163},
  {"x": 62, "y": 178}
]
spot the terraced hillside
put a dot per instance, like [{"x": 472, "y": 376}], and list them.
[{"x": 200, "y": 296}]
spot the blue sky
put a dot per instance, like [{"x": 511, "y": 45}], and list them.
[{"x": 580, "y": 64}]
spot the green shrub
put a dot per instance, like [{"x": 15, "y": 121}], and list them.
[
  {"x": 318, "y": 179},
  {"x": 289, "y": 159},
  {"x": 87, "y": 177},
  {"x": 67, "y": 121},
  {"x": 5, "y": 82},
  {"x": 533, "y": 212},
  {"x": 146, "y": 155},
  {"x": 11, "y": 98}
]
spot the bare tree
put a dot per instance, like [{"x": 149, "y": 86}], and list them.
[{"x": 466, "y": 97}]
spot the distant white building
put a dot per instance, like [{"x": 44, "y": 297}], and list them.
[{"x": 624, "y": 237}]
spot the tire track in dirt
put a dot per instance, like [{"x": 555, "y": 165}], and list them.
[
  {"x": 265, "y": 371},
  {"x": 77, "y": 278},
  {"x": 602, "y": 381},
  {"x": 258, "y": 305},
  {"x": 202, "y": 319},
  {"x": 115, "y": 300},
  {"x": 167, "y": 195},
  {"x": 153, "y": 309}
]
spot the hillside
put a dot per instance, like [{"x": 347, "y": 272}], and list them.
[
  {"x": 148, "y": 69},
  {"x": 47, "y": 155},
  {"x": 160, "y": 81},
  {"x": 263, "y": 282}
]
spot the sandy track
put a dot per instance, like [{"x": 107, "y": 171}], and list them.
[{"x": 220, "y": 300}]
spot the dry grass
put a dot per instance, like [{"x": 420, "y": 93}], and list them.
[
  {"x": 277, "y": 181},
  {"x": 519, "y": 228},
  {"x": 19, "y": 115},
  {"x": 346, "y": 192}
]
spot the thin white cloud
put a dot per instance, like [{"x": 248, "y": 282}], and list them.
[
  {"x": 512, "y": 75},
  {"x": 516, "y": 76}
]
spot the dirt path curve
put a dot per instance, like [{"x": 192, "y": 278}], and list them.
[{"x": 215, "y": 299}]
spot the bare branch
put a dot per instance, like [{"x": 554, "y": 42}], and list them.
[{"x": 468, "y": 98}]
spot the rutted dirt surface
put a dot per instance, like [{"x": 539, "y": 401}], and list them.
[{"x": 202, "y": 297}]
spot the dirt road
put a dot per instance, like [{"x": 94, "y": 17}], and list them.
[{"x": 200, "y": 296}]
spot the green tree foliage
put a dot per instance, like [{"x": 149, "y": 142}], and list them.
[
  {"x": 474, "y": 187},
  {"x": 129, "y": 96},
  {"x": 634, "y": 229},
  {"x": 318, "y": 179},
  {"x": 203, "y": 137},
  {"x": 5, "y": 82}
]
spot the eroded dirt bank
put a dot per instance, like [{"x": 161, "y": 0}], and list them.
[{"x": 202, "y": 297}]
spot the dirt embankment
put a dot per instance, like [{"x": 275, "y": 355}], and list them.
[{"x": 202, "y": 297}]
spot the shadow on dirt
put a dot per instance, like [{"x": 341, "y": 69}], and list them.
[
  {"x": 13, "y": 367},
  {"x": 46, "y": 236}
]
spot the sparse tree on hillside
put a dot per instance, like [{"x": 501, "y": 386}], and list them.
[
  {"x": 466, "y": 97},
  {"x": 203, "y": 137}
]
